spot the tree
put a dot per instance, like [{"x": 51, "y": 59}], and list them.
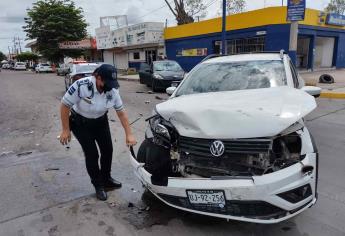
[
  {"x": 336, "y": 6},
  {"x": 27, "y": 56},
  {"x": 53, "y": 21},
  {"x": 235, "y": 6},
  {"x": 184, "y": 11},
  {"x": 2, "y": 56}
]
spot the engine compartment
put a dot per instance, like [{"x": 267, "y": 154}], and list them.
[{"x": 170, "y": 155}]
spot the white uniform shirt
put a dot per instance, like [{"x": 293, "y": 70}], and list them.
[{"x": 85, "y": 99}]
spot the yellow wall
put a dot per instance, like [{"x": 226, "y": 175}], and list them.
[{"x": 261, "y": 17}]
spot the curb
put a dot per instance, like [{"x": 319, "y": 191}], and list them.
[
  {"x": 332, "y": 95},
  {"x": 127, "y": 79}
]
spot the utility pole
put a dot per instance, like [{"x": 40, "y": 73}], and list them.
[
  {"x": 20, "y": 47},
  {"x": 9, "y": 52},
  {"x": 224, "y": 28},
  {"x": 14, "y": 45}
]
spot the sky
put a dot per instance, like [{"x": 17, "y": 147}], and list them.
[{"x": 12, "y": 13}]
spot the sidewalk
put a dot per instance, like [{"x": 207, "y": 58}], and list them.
[
  {"x": 335, "y": 90},
  {"x": 129, "y": 77}
]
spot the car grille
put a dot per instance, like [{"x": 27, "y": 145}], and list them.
[
  {"x": 249, "y": 209},
  {"x": 201, "y": 147}
]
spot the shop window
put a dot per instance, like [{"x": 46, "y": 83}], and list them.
[
  {"x": 136, "y": 55},
  {"x": 238, "y": 46}
]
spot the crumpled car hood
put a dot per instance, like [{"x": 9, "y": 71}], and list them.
[{"x": 237, "y": 114}]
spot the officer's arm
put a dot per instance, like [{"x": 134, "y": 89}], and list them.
[
  {"x": 64, "y": 111},
  {"x": 130, "y": 139},
  {"x": 65, "y": 136}
]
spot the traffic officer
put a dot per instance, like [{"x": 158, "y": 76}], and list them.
[{"x": 84, "y": 110}]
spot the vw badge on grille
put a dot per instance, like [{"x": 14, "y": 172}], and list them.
[{"x": 217, "y": 148}]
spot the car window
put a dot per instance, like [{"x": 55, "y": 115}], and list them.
[
  {"x": 294, "y": 75},
  {"x": 216, "y": 77},
  {"x": 45, "y": 65},
  {"x": 166, "y": 66},
  {"x": 85, "y": 68},
  {"x": 144, "y": 66}
]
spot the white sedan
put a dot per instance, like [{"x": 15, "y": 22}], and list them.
[
  {"x": 231, "y": 141},
  {"x": 43, "y": 67},
  {"x": 78, "y": 71},
  {"x": 19, "y": 66}
]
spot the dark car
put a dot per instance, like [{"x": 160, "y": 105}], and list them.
[{"x": 161, "y": 74}]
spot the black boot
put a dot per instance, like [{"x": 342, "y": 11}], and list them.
[
  {"x": 110, "y": 183},
  {"x": 101, "y": 194}
]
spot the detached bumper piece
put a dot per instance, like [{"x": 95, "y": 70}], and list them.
[{"x": 297, "y": 194}]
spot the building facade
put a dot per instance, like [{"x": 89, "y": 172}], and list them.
[
  {"x": 129, "y": 46},
  {"x": 321, "y": 37}
]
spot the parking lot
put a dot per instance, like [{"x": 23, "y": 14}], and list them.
[{"x": 46, "y": 190}]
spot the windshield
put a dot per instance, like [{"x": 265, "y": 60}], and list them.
[
  {"x": 86, "y": 68},
  {"x": 45, "y": 65},
  {"x": 217, "y": 77},
  {"x": 166, "y": 66}
]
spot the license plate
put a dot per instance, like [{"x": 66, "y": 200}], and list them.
[{"x": 207, "y": 197}]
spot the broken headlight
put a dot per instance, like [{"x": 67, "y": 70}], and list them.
[
  {"x": 286, "y": 148},
  {"x": 161, "y": 130}
]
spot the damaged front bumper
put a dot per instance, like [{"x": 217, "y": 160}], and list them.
[{"x": 269, "y": 198}]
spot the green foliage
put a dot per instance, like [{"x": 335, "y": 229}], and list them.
[
  {"x": 53, "y": 21},
  {"x": 336, "y": 6},
  {"x": 2, "y": 56},
  {"x": 27, "y": 56}
]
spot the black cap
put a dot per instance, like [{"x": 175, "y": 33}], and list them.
[{"x": 108, "y": 74}]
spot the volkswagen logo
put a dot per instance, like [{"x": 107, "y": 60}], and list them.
[{"x": 217, "y": 148}]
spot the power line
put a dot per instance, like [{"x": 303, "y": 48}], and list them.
[{"x": 161, "y": 7}]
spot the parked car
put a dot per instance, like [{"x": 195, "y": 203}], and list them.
[
  {"x": 231, "y": 141},
  {"x": 5, "y": 66},
  {"x": 79, "y": 71},
  {"x": 161, "y": 74},
  {"x": 19, "y": 66},
  {"x": 63, "y": 69},
  {"x": 43, "y": 67}
]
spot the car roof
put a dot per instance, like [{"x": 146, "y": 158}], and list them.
[
  {"x": 246, "y": 57},
  {"x": 85, "y": 64}
]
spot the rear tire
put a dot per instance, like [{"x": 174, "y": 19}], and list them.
[{"x": 141, "y": 81}]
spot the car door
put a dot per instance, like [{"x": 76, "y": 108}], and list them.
[{"x": 144, "y": 73}]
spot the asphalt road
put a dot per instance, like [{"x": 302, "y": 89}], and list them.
[{"x": 45, "y": 189}]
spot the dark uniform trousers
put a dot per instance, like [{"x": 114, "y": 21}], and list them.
[{"x": 89, "y": 132}]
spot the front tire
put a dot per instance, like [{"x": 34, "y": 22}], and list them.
[
  {"x": 141, "y": 156},
  {"x": 154, "y": 86}
]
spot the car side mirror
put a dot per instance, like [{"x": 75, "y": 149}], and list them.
[
  {"x": 312, "y": 90},
  {"x": 170, "y": 90}
]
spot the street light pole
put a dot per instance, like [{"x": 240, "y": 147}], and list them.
[{"x": 224, "y": 28}]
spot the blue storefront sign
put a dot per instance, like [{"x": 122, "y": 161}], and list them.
[
  {"x": 295, "y": 10},
  {"x": 335, "y": 19}
]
